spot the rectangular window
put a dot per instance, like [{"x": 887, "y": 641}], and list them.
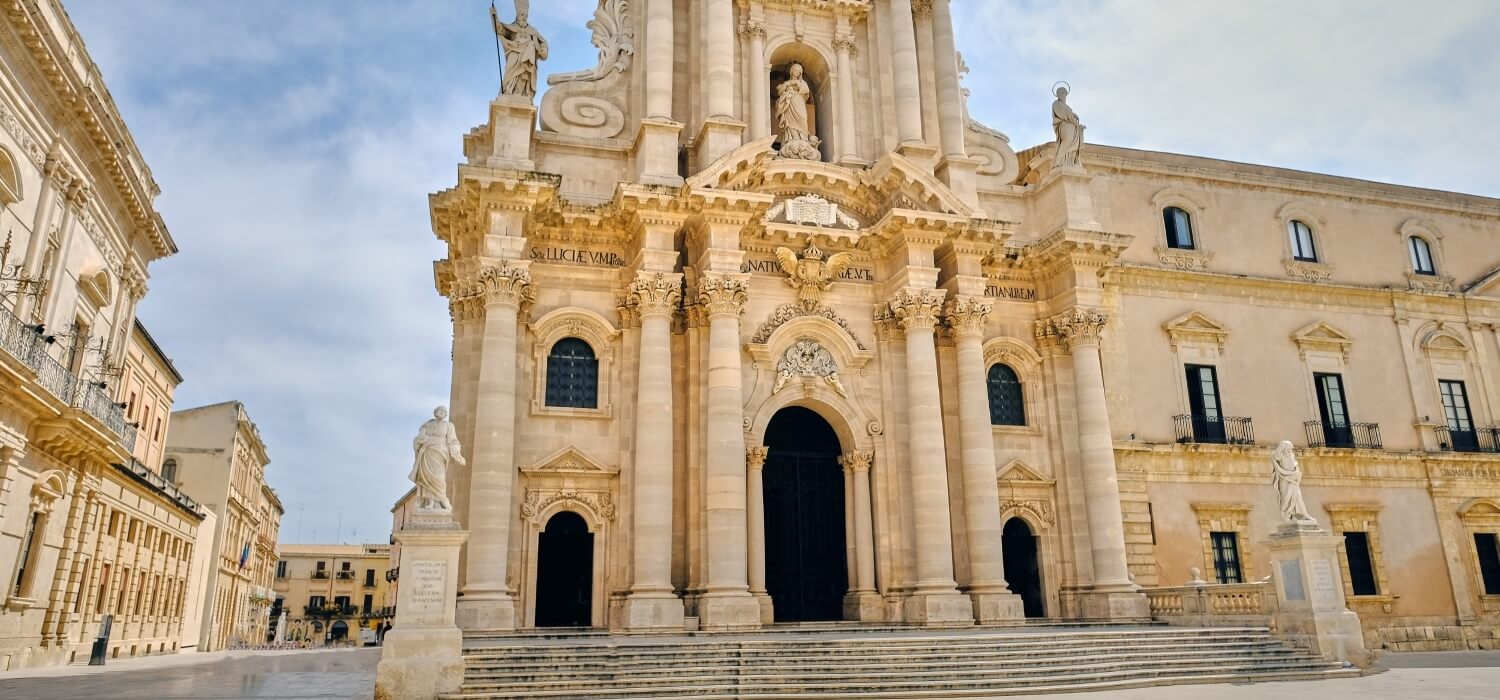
[
  {"x": 281, "y": 569},
  {"x": 341, "y": 602},
  {"x": 99, "y": 600},
  {"x": 1226, "y": 556},
  {"x": 124, "y": 591},
  {"x": 1179, "y": 228},
  {"x": 1361, "y": 566},
  {"x": 1302, "y": 242},
  {"x": 1488, "y": 546},
  {"x": 1203, "y": 401},
  {"x": 316, "y": 601},
  {"x": 369, "y": 577},
  {"x": 1333, "y": 408},
  {"x": 114, "y": 524},
  {"x": 35, "y": 529},
  {"x": 1456, "y": 413},
  {"x": 369, "y": 603}
]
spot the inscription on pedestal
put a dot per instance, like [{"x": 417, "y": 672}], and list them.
[
  {"x": 1291, "y": 579},
  {"x": 428, "y": 580},
  {"x": 1323, "y": 582}
]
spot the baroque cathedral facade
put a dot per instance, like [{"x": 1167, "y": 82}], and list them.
[{"x": 752, "y": 323}]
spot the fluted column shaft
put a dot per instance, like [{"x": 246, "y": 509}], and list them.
[
  {"x": 755, "y": 464},
  {"x": 723, "y": 298},
  {"x": 487, "y": 601},
  {"x": 917, "y": 310},
  {"x": 1079, "y": 330},
  {"x": 908, "y": 86},
  {"x": 844, "y": 48},
  {"x": 968, "y": 317},
  {"x": 950, "y": 97},
  {"x": 719, "y": 57},
  {"x": 759, "y": 82},
  {"x": 858, "y": 465},
  {"x": 658, "y": 59}
]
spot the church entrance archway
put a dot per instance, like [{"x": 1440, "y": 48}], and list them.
[
  {"x": 565, "y": 572},
  {"x": 806, "y": 558},
  {"x": 1023, "y": 569}
]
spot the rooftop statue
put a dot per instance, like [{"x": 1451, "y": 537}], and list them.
[
  {"x": 1068, "y": 128},
  {"x": 524, "y": 47}
]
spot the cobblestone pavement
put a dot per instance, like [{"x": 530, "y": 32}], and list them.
[{"x": 326, "y": 675}]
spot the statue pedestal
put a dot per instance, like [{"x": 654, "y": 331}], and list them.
[
  {"x": 1310, "y": 606},
  {"x": 961, "y": 175},
  {"x": 655, "y": 152},
  {"x": 512, "y": 120},
  {"x": 423, "y": 653},
  {"x": 718, "y": 136}
]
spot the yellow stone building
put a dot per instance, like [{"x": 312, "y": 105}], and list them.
[
  {"x": 753, "y": 324},
  {"x": 332, "y": 591},
  {"x": 89, "y": 528}
]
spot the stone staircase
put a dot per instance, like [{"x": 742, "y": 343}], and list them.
[{"x": 876, "y": 662}]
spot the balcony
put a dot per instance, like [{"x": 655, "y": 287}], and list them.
[
  {"x": 330, "y": 611},
  {"x": 393, "y": 574},
  {"x": 346, "y": 575},
  {"x": 1480, "y": 440},
  {"x": 26, "y": 344},
  {"x": 1349, "y": 436},
  {"x": 1214, "y": 430},
  {"x": 320, "y": 575}
]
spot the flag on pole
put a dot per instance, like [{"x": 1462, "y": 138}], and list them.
[{"x": 245, "y": 555}]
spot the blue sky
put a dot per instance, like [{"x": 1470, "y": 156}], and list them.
[{"x": 295, "y": 142}]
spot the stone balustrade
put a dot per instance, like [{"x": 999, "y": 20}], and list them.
[{"x": 1212, "y": 604}]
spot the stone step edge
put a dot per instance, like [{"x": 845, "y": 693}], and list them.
[
  {"x": 987, "y": 640},
  {"x": 973, "y": 631},
  {"x": 668, "y": 651}
]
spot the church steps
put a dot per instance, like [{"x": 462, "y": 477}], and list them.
[{"x": 904, "y": 664}]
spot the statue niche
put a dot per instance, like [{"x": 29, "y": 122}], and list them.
[{"x": 794, "y": 113}]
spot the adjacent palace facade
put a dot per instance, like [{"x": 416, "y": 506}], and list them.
[{"x": 719, "y": 362}]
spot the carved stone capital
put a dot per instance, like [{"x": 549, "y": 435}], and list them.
[
  {"x": 503, "y": 285},
  {"x": 857, "y": 461},
  {"x": 721, "y": 295},
  {"x": 755, "y": 458},
  {"x": 845, "y": 43},
  {"x": 656, "y": 294},
  {"x": 1077, "y": 327},
  {"x": 750, "y": 29},
  {"x": 921, "y": 9},
  {"x": 918, "y": 309},
  {"x": 465, "y": 309},
  {"x": 968, "y": 316}
]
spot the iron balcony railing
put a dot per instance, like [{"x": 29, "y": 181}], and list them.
[
  {"x": 344, "y": 575},
  {"x": 330, "y": 611},
  {"x": 320, "y": 574},
  {"x": 1343, "y": 435},
  {"x": 1219, "y": 430},
  {"x": 393, "y": 574},
  {"x": 1473, "y": 440},
  {"x": 25, "y": 343}
]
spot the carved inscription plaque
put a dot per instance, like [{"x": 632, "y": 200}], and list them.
[
  {"x": 1323, "y": 583},
  {"x": 427, "y": 579},
  {"x": 1291, "y": 579}
]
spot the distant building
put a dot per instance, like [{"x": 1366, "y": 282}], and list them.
[
  {"x": 220, "y": 459},
  {"x": 405, "y": 507},
  {"x": 331, "y": 591}
]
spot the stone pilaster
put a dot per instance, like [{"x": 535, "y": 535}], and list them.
[
  {"x": 993, "y": 601},
  {"x": 755, "y": 517},
  {"x": 488, "y": 602},
  {"x": 726, "y": 602},
  {"x": 1111, "y": 594},
  {"x": 936, "y": 599},
  {"x": 653, "y": 605}
]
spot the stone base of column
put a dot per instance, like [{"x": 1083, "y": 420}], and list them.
[
  {"x": 1122, "y": 604},
  {"x": 1311, "y": 611},
  {"x": 486, "y": 610},
  {"x": 961, "y": 175},
  {"x": 718, "y": 137},
  {"x": 939, "y": 609},
  {"x": 728, "y": 611},
  {"x": 652, "y": 612},
  {"x": 919, "y": 153},
  {"x": 512, "y": 119},
  {"x": 656, "y": 152},
  {"x": 864, "y": 606},
  {"x": 419, "y": 663},
  {"x": 767, "y": 607},
  {"x": 997, "y": 607}
]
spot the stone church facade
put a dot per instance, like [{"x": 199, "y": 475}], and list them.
[{"x": 708, "y": 371}]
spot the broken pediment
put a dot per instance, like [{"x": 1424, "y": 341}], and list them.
[
  {"x": 570, "y": 460},
  {"x": 1196, "y": 327}
]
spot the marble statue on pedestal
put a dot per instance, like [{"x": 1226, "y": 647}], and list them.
[
  {"x": 792, "y": 96},
  {"x": 524, "y": 47},
  {"x": 436, "y": 445},
  {"x": 1286, "y": 474},
  {"x": 1068, "y": 129}
]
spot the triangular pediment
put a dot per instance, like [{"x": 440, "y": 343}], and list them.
[
  {"x": 1488, "y": 285},
  {"x": 1322, "y": 332},
  {"x": 570, "y": 460},
  {"x": 1016, "y": 471},
  {"x": 1196, "y": 327}
]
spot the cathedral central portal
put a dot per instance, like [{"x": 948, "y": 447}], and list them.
[{"x": 806, "y": 550}]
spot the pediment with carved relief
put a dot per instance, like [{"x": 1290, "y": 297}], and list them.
[
  {"x": 570, "y": 460},
  {"x": 1016, "y": 471},
  {"x": 1196, "y": 327}
]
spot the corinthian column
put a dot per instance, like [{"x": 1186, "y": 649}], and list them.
[
  {"x": 658, "y": 59},
  {"x": 844, "y": 50},
  {"x": 726, "y": 601},
  {"x": 950, "y": 99},
  {"x": 487, "y": 602},
  {"x": 1111, "y": 594},
  {"x": 719, "y": 57},
  {"x": 908, "y": 86},
  {"x": 758, "y": 80},
  {"x": 755, "y": 521},
  {"x": 993, "y": 600},
  {"x": 936, "y": 598},
  {"x": 652, "y": 603}
]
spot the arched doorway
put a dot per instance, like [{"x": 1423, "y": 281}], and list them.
[
  {"x": 806, "y": 561},
  {"x": 1023, "y": 570},
  {"x": 565, "y": 572},
  {"x": 338, "y": 632}
]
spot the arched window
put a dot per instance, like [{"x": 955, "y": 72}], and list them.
[
  {"x": 169, "y": 471},
  {"x": 1179, "y": 228},
  {"x": 1007, "y": 405},
  {"x": 572, "y": 375},
  {"x": 1302, "y": 241},
  {"x": 1421, "y": 256}
]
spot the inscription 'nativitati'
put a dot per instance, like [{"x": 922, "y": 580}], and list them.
[
  {"x": 576, "y": 256},
  {"x": 772, "y": 265},
  {"x": 427, "y": 581}
]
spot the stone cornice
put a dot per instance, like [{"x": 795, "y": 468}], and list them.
[
  {"x": 854, "y": 9},
  {"x": 1077, "y": 248}
]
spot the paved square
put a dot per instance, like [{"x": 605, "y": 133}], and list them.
[{"x": 339, "y": 675}]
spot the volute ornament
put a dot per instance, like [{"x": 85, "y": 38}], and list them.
[
  {"x": 812, "y": 272},
  {"x": 615, "y": 39}
]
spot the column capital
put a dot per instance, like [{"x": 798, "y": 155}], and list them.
[
  {"x": 1077, "y": 327},
  {"x": 463, "y": 309},
  {"x": 968, "y": 316},
  {"x": 752, "y": 29},
  {"x": 755, "y": 457},
  {"x": 918, "y": 309},
  {"x": 722, "y": 295},
  {"x": 856, "y": 461},
  {"x": 843, "y": 43},
  {"x": 498, "y": 285},
  {"x": 921, "y": 9},
  {"x": 655, "y": 294}
]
